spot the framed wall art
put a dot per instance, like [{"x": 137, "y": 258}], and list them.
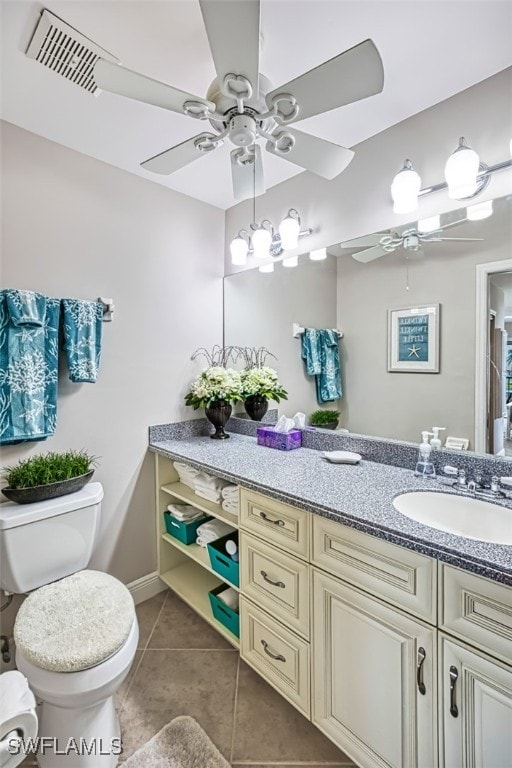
[{"x": 413, "y": 339}]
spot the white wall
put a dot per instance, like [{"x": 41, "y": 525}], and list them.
[
  {"x": 359, "y": 201},
  {"x": 76, "y": 227}
]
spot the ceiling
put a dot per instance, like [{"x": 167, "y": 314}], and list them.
[{"x": 431, "y": 49}]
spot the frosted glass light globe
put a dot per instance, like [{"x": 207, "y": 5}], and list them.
[
  {"x": 289, "y": 230},
  {"x": 239, "y": 249},
  {"x": 461, "y": 171},
  {"x": 261, "y": 240}
]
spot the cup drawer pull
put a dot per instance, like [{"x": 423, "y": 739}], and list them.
[
  {"x": 275, "y": 656},
  {"x": 268, "y": 519},
  {"x": 274, "y": 583}
]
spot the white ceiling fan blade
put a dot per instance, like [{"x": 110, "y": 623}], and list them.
[
  {"x": 365, "y": 241},
  {"x": 233, "y": 30},
  {"x": 117, "y": 79},
  {"x": 351, "y": 76},
  {"x": 370, "y": 254},
  {"x": 247, "y": 177},
  {"x": 177, "y": 157},
  {"x": 455, "y": 239},
  {"x": 315, "y": 154}
]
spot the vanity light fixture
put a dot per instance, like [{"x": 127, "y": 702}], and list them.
[
  {"x": 318, "y": 255},
  {"x": 479, "y": 211},
  {"x": 466, "y": 177},
  {"x": 263, "y": 241},
  {"x": 405, "y": 189}
]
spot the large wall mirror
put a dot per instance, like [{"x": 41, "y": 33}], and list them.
[{"x": 353, "y": 290}]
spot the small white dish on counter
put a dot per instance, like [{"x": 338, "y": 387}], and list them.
[{"x": 342, "y": 457}]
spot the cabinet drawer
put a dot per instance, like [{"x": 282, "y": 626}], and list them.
[
  {"x": 274, "y": 521},
  {"x": 477, "y": 610},
  {"x": 276, "y": 581},
  {"x": 397, "y": 575},
  {"x": 277, "y": 654}
]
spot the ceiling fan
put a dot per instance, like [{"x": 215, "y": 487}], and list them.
[
  {"x": 242, "y": 106},
  {"x": 411, "y": 240}
]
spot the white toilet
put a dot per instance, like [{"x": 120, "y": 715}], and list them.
[{"x": 76, "y": 633}]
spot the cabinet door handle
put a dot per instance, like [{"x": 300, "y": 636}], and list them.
[
  {"x": 269, "y": 581},
  {"x": 419, "y": 670},
  {"x": 268, "y": 519},
  {"x": 454, "y": 711},
  {"x": 276, "y": 657}
]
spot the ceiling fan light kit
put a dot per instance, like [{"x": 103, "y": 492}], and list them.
[
  {"x": 264, "y": 242},
  {"x": 465, "y": 178}
]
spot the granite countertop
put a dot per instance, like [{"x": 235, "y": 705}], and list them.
[{"x": 359, "y": 496}]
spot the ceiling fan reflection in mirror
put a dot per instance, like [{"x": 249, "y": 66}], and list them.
[
  {"x": 411, "y": 240},
  {"x": 242, "y": 106}
]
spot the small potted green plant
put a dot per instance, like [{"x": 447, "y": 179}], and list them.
[
  {"x": 326, "y": 418},
  {"x": 47, "y": 476}
]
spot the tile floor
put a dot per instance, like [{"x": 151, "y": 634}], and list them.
[{"x": 184, "y": 667}]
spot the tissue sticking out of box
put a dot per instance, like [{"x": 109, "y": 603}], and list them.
[{"x": 284, "y": 424}]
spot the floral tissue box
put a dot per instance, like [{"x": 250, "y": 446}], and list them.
[{"x": 283, "y": 441}]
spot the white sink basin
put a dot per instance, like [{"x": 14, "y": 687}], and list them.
[{"x": 468, "y": 517}]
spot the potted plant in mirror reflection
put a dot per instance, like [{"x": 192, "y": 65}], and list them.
[
  {"x": 326, "y": 418},
  {"x": 259, "y": 385},
  {"x": 215, "y": 389},
  {"x": 47, "y": 476}
]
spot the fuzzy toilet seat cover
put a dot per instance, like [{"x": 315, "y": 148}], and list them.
[{"x": 74, "y": 623}]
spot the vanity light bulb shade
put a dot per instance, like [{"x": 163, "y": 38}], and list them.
[
  {"x": 461, "y": 171},
  {"x": 404, "y": 190},
  {"x": 291, "y": 261},
  {"x": 318, "y": 255},
  {"x": 266, "y": 267},
  {"x": 261, "y": 240},
  {"x": 239, "y": 249},
  {"x": 289, "y": 230},
  {"x": 479, "y": 211}
]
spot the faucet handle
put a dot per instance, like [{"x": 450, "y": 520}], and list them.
[
  {"x": 495, "y": 484},
  {"x": 461, "y": 474}
]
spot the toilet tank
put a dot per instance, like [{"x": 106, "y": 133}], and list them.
[{"x": 47, "y": 540}]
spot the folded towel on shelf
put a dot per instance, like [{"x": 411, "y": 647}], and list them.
[
  {"x": 208, "y": 482},
  {"x": 211, "y": 530},
  {"x": 213, "y": 496},
  {"x": 231, "y": 506},
  {"x": 230, "y": 597},
  {"x": 184, "y": 512},
  {"x": 230, "y": 492},
  {"x": 83, "y": 323},
  {"x": 186, "y": 473}
]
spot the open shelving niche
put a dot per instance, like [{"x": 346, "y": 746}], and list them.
[{"x": 185, "y": 568}]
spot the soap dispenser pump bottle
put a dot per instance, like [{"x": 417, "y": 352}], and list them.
[
  {"x": 424, "y": 465},
  {"x": 436, "y": 442}
]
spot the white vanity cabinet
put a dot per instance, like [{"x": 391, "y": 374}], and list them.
[
  {"x": 275, "y": 599},
  {"x": 374, "y": 647},
  {"x": 401, "y": 660},
  {"x": 475, "y": 708}
]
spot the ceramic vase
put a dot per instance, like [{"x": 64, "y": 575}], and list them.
[
  {"x": 218, "y": 412},
  {"x": 256, "y": 407}
]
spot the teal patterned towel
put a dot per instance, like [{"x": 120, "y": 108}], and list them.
[
  {"x": 321, "y": 353},
  {"x": 83, "y": 322},
  {"x": 29, "y": 327}
]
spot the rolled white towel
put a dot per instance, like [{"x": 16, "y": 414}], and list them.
[
  {"x": 230, "y": 491},
  {"x": 231, "y": 506},
  {"x": 211, "y": 530}
]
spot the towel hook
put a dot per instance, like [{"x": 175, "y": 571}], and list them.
[{"x": 108, "y": 308}]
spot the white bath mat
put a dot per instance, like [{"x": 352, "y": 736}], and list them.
[{"x": 180, "y": 744}]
